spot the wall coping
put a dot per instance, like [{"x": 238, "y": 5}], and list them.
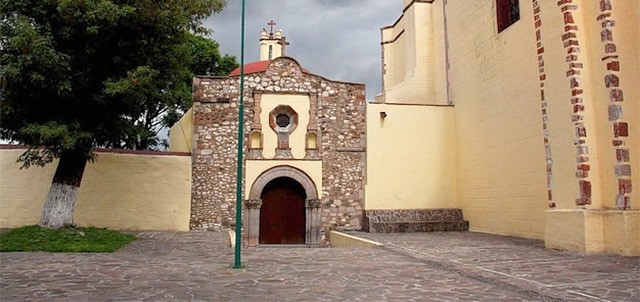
[{"x": 108, "y": 150}]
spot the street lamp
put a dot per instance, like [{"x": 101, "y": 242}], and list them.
[{"x": 237, "y": 263}]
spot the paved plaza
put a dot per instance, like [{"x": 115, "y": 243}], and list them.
[{"x": 194, "y": 266}]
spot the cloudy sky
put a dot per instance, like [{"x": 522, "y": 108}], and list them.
[{"x": 338, "y": 39}]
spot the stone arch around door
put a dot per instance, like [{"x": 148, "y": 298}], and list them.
[{"x": 254, "y": 203}]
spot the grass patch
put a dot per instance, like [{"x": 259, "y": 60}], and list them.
[{"x": 74, "y": 240}]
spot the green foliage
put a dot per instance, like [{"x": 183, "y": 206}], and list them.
[
  {"x": 78, "y": 74},
  {"x": 206, "y": 59},
  {"x": 75, "y": 240},
  {"x": 226, "y": 65}
]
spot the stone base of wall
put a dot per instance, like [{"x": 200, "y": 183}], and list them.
[{"x": 418, "y": 220}]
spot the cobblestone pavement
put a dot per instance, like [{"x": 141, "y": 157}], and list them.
[{"x": 194, "y": 266}]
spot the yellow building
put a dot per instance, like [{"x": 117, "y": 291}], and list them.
[{"x": 524, "y": 114}]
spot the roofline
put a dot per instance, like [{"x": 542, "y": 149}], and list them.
[{"x": 283, "y": 57}]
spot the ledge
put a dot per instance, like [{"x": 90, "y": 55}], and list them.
[{"x": 342, "y": 240}]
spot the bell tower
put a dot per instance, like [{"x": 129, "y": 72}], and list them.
[{"x": 272, "y": 45}]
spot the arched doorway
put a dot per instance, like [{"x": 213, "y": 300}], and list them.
[
  {"x": 291, "y": 182},
  {"x": 282, "y": 215}
]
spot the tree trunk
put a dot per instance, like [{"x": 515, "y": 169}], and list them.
[{"x": 61, "y": 200}]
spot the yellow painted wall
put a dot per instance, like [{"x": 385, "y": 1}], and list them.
[
  {"x": 23, "y": 191},
  {"x": 254, "y": 168},
  {"x": 577, "y": 231},
  {"x": 594, "y": 231},
  {"x": 118, "y": 191},
  {"x": 628, "y": 41},
  {"x": 414, "y": 57},
  {"x": 597, "y": 227},
  {"x": 626, "y": 36},
  {"x": 181, "y": 133},
  {"x": 499, "y": 143},
  {"x": 622, "y": 232},
  {"x": 300, "y": 104},
  {"x": 562, "y": 130},
  {"x": 410, "y": 157},
  {"x": 602, "y": 157}
]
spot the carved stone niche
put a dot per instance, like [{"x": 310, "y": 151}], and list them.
[
  {"x": 255, "y": 144},
  {"x": 312, "y": 145},
  {"x": 283, "y": 120}
]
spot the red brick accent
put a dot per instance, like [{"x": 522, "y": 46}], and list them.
[
  {"x": 611, "y": 80},
  {"x": 585, "y": 193},
  {"x": 585, "y": 167},
  {"x": 622, "y": 168},
  {"x": 572, "y": 46},
  {"x": 568, "y": 18},
  {"x": 624, "y": 186},
  {"x": 543, "y": 101},
  {"x": 606, "y": 35},
  {"x": 620, "y": 130},
  {"x": 622, "y": 155},
  {"x": 610, "y": 48},
  {"x": 617, "y": 95}
]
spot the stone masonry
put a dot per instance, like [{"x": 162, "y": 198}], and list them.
[{"x": 338, "y": 116}]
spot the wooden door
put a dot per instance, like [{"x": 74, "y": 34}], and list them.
[{"x": 282, "y": 215}]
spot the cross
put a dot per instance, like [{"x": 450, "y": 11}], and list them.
[
  {"x": 284, "y": 43},
  {"x": 271, "y": 23}
]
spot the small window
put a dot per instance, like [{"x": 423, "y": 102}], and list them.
[
  {"x": 283, "y": 120},
  {"x": 508, "y": 12}
]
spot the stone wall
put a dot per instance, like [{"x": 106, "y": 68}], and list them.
[{"x": 338, "y": 117}]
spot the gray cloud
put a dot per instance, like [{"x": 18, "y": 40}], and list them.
[{"x": 338, "y": 39}]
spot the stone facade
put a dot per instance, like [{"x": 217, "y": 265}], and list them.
[{"x": 337, "y": 120}]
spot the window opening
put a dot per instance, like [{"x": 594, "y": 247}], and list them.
[
  {"x": 283, "y": 120},
  {"x": 508, "y": 12}
]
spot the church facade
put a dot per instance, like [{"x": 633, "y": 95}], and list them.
[
  {"x": 304, "y": 167},
  {"x": 508, "y": 117}
]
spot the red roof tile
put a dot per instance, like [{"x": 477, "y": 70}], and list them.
[
  {"x": 254, "y": 67},
  {"x": 251, "y": 68}
]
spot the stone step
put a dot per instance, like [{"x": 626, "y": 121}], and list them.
[
  {"x": 419, "y": 226},
  {"x": 414, "y": 215},
  {"x": 414, "y": 220}
]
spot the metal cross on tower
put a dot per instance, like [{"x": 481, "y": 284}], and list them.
[{"x": 271, "y": 23}]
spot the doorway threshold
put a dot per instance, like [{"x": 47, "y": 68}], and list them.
[{"x": 289, "y": 246}]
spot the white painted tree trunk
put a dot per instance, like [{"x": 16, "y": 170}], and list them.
[
  {"x": 59, "y": 205},
  {"x": 58, "y": 208}
]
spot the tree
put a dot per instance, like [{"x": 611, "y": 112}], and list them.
[
  {"x": 201, "y": 57},
  {"x": 78, "y": 74},
  {"x": 206, "y": 59}
]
